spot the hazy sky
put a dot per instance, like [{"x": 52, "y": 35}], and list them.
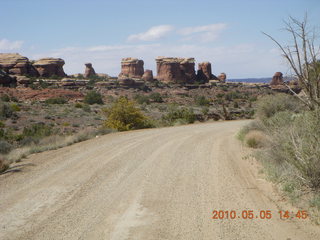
[{"x": 225, "y": 32}]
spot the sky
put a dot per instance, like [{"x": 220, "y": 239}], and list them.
[{"x": 226, "y": 33}]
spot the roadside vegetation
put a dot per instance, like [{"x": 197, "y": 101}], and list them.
[{"x": 286, "y": 130}]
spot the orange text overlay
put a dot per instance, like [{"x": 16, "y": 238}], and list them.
[{"x": 260, "y": 214}]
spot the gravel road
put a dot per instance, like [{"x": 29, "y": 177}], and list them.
[{"x": 148, "y": 184}]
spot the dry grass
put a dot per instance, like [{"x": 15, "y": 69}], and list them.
[
  {"x": 255, "y": 139},
  {"x": 3, "y": 165}
]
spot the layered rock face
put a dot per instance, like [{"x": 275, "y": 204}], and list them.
[
  {"x": 277, "y": 79},
  {"x": 15, "y": 64},
  {"x": 175, "y": 70},
  {"x": 222, "y": 77},
  {"x": 48, "y": 67},
  {"x": 5, "y": 79},
  {"x": 89, "y": 71},
  {"x": 204, "y": 73},
  {"x": 131, "y": 68},
  {"x": 147, "y": 76}
]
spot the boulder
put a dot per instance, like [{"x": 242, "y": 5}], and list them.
[
  {"x": 204, "y": 73},
  {"x": 89, "y": 71},
  {"x": 14, "y": 63},
  {"x": 222, "y": 77},
  {"x": 23, "y": 80},
  {"x": 175, "y": 70},
  {"x": 148, "y": 76},
  {"x": 277, "y": 79},
  {"x": 131, "y": 68},
  {"x": 125, "y": 81},
  {"x": 50, "y": 67},
  {"x": 6, "y": 79}
]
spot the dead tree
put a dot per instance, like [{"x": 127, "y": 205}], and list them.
[{"x": 302, "y": 56}]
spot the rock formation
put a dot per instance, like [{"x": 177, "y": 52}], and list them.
[
  {"x": 50, "y": 67},
  {"x": 15, "y": 64},
  {"x": 277, "y": 79},
  {"x": 175, "y": 70},
  {"x": 89, "y": 71},
  {"x": 131, "y": 68},
  {"x": 6, "y": 79},
  {"x": 204, "y": 73},
  {"x": 147, "y": 76},
  {"x": 222, "y": 77}
]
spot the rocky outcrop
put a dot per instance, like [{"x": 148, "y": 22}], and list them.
[
  {"x": 175, "y": 70},
  {"x": 148, "y": 76},
  {"x": 204, "y": 73},
  {"x": 15, "y": 64},
  {"x": 6, "y": 79},
  {"x": 50, "y": 67},
  {"x": 277, "y": 79},
  {"x": 89, "y": 71},
  {"x": 222, "y": 77},
  {"x": 131, "y": 68}
]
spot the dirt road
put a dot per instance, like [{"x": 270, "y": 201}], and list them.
[{"x": 148, "y": 184}]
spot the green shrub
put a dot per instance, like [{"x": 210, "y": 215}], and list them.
[
  {"x": 15, "y": 107},
  {"x": 269, "y": 105},
  {"x": 156, "y": 97},
  {"x": 201, "y": 101},
  {"x": 93, "y": 97},
  {"x": 5, "y": 147},
  {"x": 5, "y": 111},
  {"x": 180, "y": 115},
  {"x": 38, "y": 130},
  {"x": 123, "y": 115},
  {"x": 78, "y": 105},
  {"x": 297, "y": 142},
  {"x": 141, "y": 99},
  {"x": 57, "y": 100}
]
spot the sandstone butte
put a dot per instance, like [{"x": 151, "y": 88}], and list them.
[
  {"x": 48, "y": 67},
  {"x": 131, "y": 68},
  {"x": 89, "y": 71},
  {"x": 277, "y": 79},
  {"x": 15, "y": 64}
]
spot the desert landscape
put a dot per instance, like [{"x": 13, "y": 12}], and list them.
[{"x": 135, "y": 126}]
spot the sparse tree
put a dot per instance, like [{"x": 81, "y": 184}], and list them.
[{"x": 302, "y": 56}]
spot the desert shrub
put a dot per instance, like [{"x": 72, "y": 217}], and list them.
[
  {"x": 5, "y": 110},
  {"x": 3, "y": 165},
  {"x": 201, "y": 101},
  {"x": 156, "y": 97},
  {"x": 5, "y": 146},
  {"x": 93, "y": 97},
  {"x": 141, "y": 99},
  {"x": 78, "y": 105},
  {"x": 297, "y": 143},
  {"x": 5, "y": 98},
  {"x": 180, "y": 115},
  {"x": 123, "y": 115},
  {"x": 269, "y": 105},
  {"x": 37, "y": 130},
  {"x": 252, "y": 126},
  {"x": 255, "y": 139},
  {"x": 15, "y": 107},
  {"x": 57, "y": 100}
]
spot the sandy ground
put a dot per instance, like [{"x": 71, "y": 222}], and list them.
[{"x": 149, "y": 184}]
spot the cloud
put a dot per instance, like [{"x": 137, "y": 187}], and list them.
[
  {"x": 205, "y": 33},
  {"x": 154, "y": 33},
  {"x": 6, "y": 45}
]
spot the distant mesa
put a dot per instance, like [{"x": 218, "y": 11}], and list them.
[
  {"x": 89, "y": 71},
  {"x": 277, "y": 79},
  {"x": 131, "y": 68},
  {"x": 48, "y": 67}
]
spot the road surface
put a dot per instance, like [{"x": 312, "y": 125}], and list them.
[{"x": 148, "y": 184}]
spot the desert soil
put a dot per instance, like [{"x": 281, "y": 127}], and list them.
[{"x": 147, "y": 184}]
